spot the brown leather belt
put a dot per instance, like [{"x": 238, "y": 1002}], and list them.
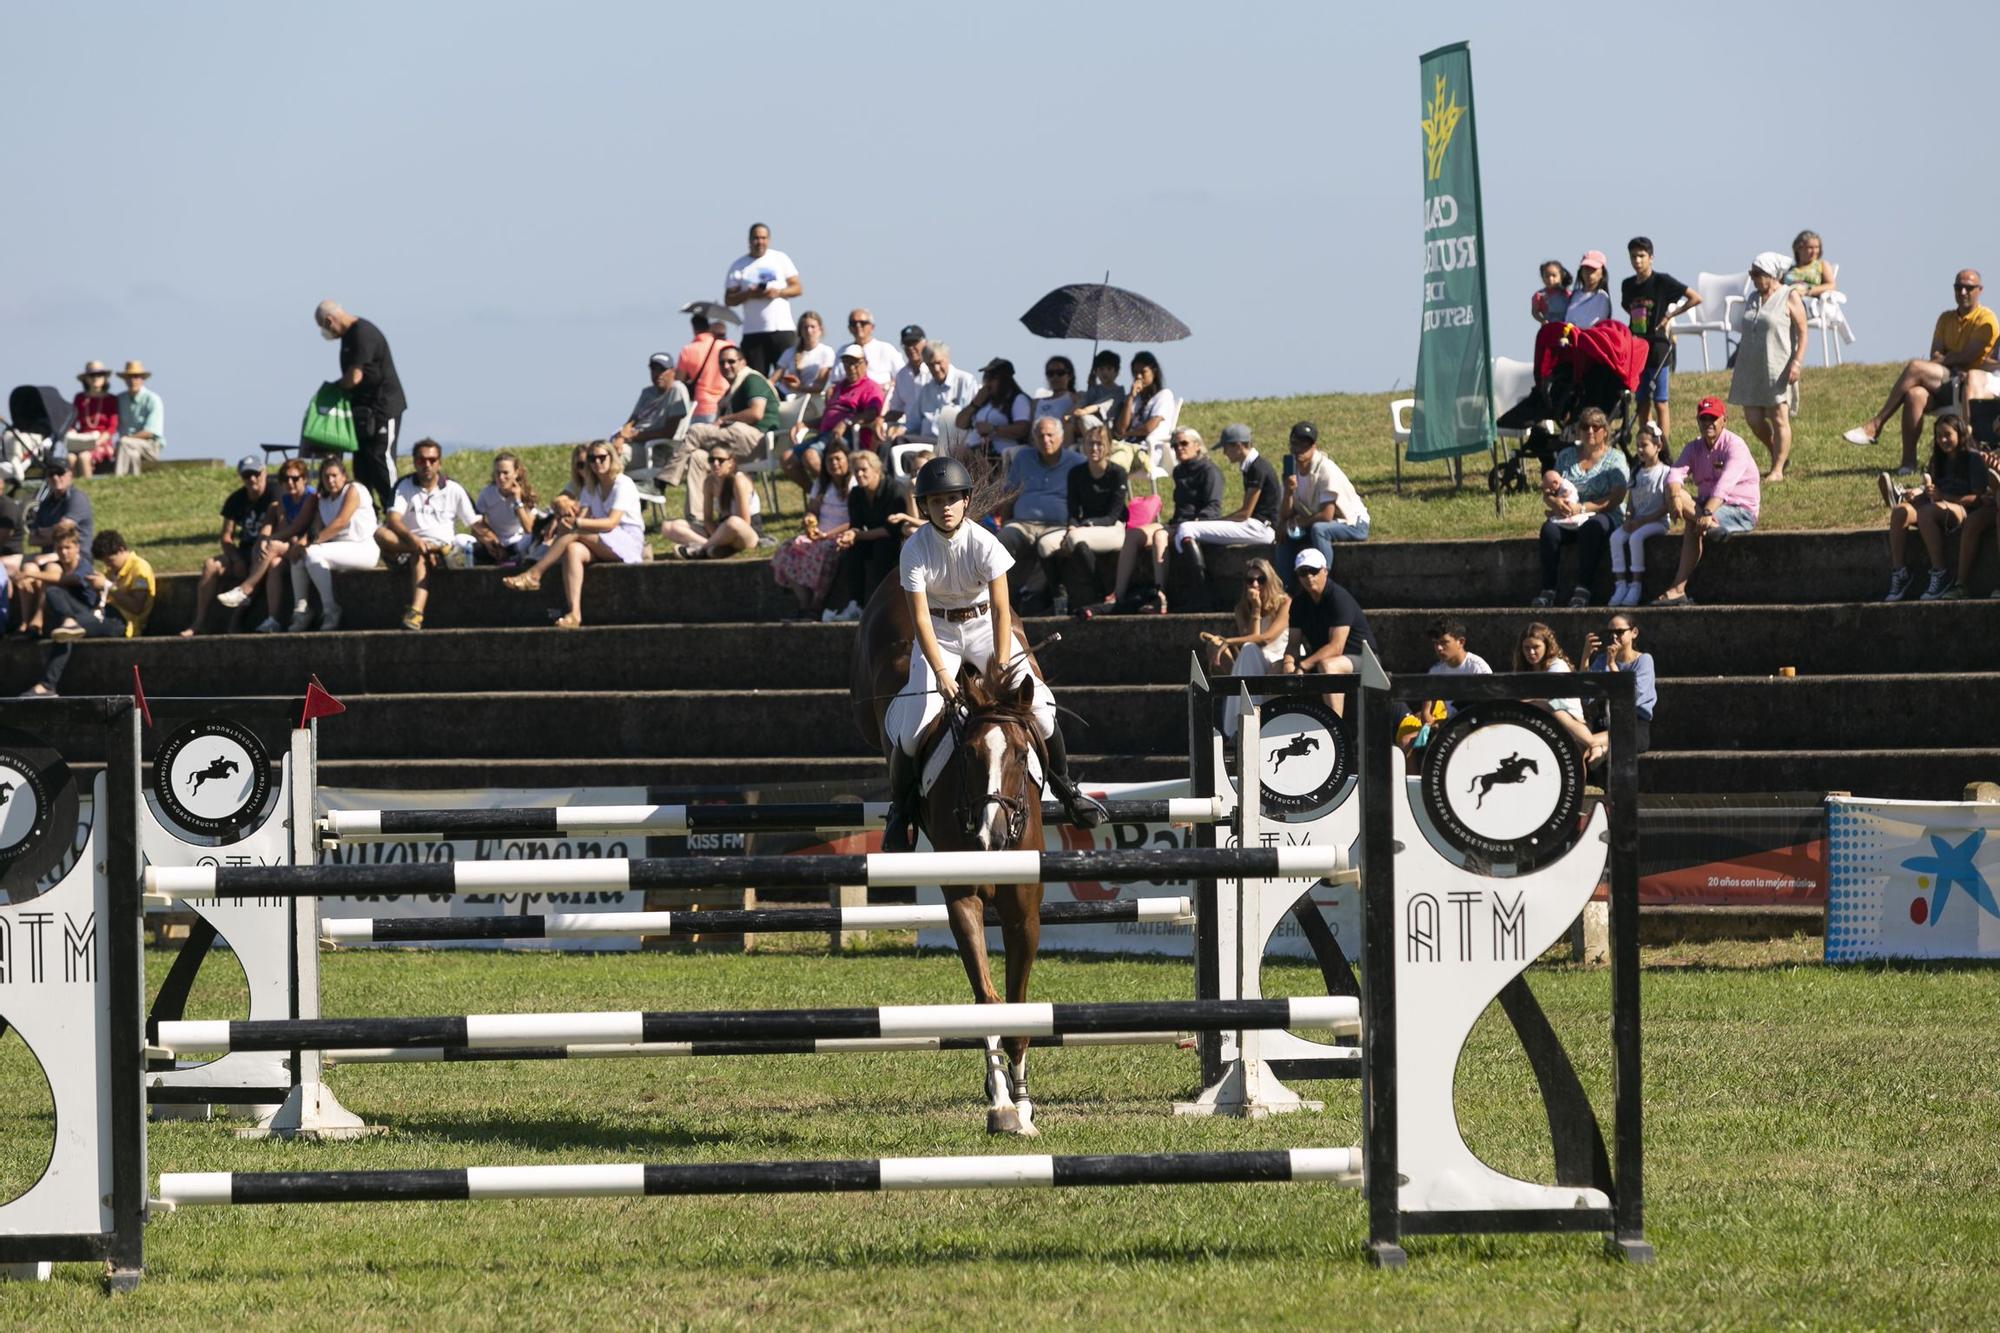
[{"x": 963, "y": 614}]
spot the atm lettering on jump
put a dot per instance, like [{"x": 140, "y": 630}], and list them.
[
  {"x": 26, "y": 938},
  {"x": 1500, "y": 924},
  {"x": 80, "y": 948}
]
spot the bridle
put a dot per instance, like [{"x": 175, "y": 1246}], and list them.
[{"x": 963, "y": 722}]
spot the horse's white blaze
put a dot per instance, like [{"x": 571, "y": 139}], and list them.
[{"x": 993, "y": 815}]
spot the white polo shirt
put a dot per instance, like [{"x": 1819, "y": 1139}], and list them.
[
  {"x": 1325, "y": 481},
  {"x": 433, "y": 515},
  {"x": 910, "y": 381},
  {"x": 953, "y": 574}
]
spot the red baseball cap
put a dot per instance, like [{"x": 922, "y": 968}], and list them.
[{"x": 1711, "y": 406}]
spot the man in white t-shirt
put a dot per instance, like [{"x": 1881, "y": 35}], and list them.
[
  {"x": 1320, "y": 505},
  {"x": 911, "y": 377},
  {"x": 423, "y": 524},
  {"x": 882, "y": 360},
  {"x": 762, "y": 283}
]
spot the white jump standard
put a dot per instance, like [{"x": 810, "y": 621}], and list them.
[
  {"x": 604, "y": 925},
  {"x": 878, "y": 870}
]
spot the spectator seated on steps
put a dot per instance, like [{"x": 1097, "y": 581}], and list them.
[
  {"x": 1252, "y": 522},
  {"x": 1954, "y": 497},
  {"x": 279, "y": 543},
  {"x": 1450, "y": 658},
  {"x": 808, "y": 562},
  {"x": 746, "y": 425},
  {"x": 340, "y": 535},
  {"x": 1036, "y": 511},
  {"x": 61, "y": 502},
  {"x": 504, "y": 532},
  {"x": 880, "y": 514},
  {"x": 64, "y": 566},
  {"x": 1262, "y": 633},
  {"x": 422, "y": 530},
  {"x": 142, "y": 422},
  {"x": 119, "y": 598},
  {"x": 1197, "y": 497},
  {"x": 1328, "y": 627},
  {"x": 848, "y": 422},
  {"x": 599, "y": 526},
  {"x": 229, "y": 566},
  {"x": 656, "y": 418},
  {"x": 1713, "y": 489},
  {"x": 1962, "y": 348},
  {"x": 1584, "y": 500},
  {"x": 1320, "y": 505},
  {"x": 734, "y": 521},
  {"x": 1094, "y": 513}
]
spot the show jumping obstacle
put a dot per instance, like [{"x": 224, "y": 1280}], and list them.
[
  {"x": 1442, "y": 934},
  {"x": 380, "y": 1055},
  {"x": 603, "y": 925}
]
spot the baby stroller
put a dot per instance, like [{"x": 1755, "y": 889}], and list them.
[
  {"x": 38, "y": 417},
  {"x": 1575, "y": 369}
]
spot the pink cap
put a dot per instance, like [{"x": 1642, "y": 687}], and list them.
[{"x": 1591, "y": 259}]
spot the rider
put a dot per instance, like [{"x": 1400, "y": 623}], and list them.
[{"x": 955, "y": 574}]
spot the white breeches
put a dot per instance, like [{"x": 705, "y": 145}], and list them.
[
  {"x": 322, "y": 558},
  {"x": 970, "y": 641}
]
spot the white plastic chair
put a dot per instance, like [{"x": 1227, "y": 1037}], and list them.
[
  {"x": 1719, "y": 312},
  {"x": 1512, "y": 381},
  {"x": 1828, "y": 314}
]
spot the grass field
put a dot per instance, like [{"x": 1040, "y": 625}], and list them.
[
  {"x": 170, "y": 517},
  {"x": 1820, "y": 1153}
]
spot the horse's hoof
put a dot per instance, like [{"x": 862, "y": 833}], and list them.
[{"x": 1005, "y": 1120}]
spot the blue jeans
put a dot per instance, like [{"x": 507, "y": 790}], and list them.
[{"x": 1321, "y": 537}]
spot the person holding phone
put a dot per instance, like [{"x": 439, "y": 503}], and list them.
[
  {"x": 1617, "y": 649},
  {"x": 1320, "y": 505}
]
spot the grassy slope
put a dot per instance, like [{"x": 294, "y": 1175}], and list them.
[
  {"x": 1820, "y": 1152},
  {"x": 169, "y": 516}
]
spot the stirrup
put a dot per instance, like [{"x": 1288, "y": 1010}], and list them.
[
  {"x": 899, "y": 831},
  {"x": 1083, "y": 811}
]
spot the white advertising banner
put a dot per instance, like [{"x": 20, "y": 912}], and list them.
[
  {"x": 1911, "y": 879},
  {"x": 424, "y": 851}
]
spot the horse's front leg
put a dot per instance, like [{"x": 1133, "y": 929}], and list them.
[
  {"x": 966, "y": 909},
  {"x": 1020, "y": 908}
]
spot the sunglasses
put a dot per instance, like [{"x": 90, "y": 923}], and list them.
[
  {"x": 1965, "y": 286},
  {"x": 721, "y": 458},
  {"x": 1253, "y": 579},
  {"x": 860, "y": 323},
  {"x": 600, "y": 458},
  {"x": 295, "y": 477},
  {"x": 1615, "y": 631},
  {"x": 1055, "y": 370}
]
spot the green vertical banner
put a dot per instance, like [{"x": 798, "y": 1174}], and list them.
[{"x": 1454, "y": 412}]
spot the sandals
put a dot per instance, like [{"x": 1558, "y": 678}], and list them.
[
  {"x": 690, "y": 551},
  {"x": 569, "y": 621},
  {"x": 1682, "y": 600},
  {"x": 528, "y": 582}
]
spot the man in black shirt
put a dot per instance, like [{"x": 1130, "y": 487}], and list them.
[
  {"x": 236, "y": 551},
  {"x": 1651, "y": 300},
  {"x": 1328, "y": 627},
  {"x": 1253, "y": 521},
  {"x": 368, "y": 373}
]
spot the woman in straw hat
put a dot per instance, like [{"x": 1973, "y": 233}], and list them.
[{"x": 93, "y": 434}]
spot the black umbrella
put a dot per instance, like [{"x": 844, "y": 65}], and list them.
[{"x": 1103, "y": 313}]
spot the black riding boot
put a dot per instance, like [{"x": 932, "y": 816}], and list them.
[
  {"x": 1083, "y": 811},
  {"x": 899, "y": 828}
]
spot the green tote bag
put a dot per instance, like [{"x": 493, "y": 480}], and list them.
[{"x": 329, "y": 423}]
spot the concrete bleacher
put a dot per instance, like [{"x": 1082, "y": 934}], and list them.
[{"x": 685, "y": 676}]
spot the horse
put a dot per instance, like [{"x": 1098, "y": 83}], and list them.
[
  {"x": 987, "y": 798},
  {"x": 1512, "y": 769},
  {"x": 1302, "y": 744}
]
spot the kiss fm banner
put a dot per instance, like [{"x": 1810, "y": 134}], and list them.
[{"x": 1911, "y": 879}]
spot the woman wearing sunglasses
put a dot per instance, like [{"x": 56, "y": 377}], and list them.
[
  {"x": 1618, "y": 650},
  {"x": 730, "y": 502},
  {"x": 603, "y": 527},
  {"x": 1263, "y": 625}
]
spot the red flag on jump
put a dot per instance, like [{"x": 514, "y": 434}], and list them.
[
  {"x": 139, "y": 697},
  {"x": 319, "y": 703}
]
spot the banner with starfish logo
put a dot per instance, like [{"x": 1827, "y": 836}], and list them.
[
  {"x": 1911, "y": 879},
  {"x": 1454, "y": 408}
]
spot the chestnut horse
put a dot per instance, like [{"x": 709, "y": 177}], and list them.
[{"x": 987, "y": 798}]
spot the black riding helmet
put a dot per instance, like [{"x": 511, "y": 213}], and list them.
[{"x": 942, "y": 476}]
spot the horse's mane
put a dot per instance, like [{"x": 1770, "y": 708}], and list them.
[{"x": 990, "y": 692}]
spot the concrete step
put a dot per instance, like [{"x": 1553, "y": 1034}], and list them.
[
  {"x": 1757, "y": 569},
  {"x": 1918, "y": 773},
  {"x": 1744, "y": 641}
]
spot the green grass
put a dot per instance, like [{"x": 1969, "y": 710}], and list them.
[
  {"x": 171, "y": 516},
  {"x": 1820, "y": 1152}
]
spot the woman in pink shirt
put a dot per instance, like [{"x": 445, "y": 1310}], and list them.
[
  {"x": 93, "y": 435},
  {"x": 1718, "y": 468}
]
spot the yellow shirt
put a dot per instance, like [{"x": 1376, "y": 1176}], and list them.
[
  {"x": 1975, "y": 332},
  {"x": 135, "y": 574}
]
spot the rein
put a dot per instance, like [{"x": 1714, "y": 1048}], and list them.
[{"x": 962, "y": 722}]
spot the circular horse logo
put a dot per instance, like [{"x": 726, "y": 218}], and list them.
[
  {"x": 38, "y": 813},
  {"x": 211, "y": 777},
  {"x": 1304, "y": 755},
  {"x": 1504, "y": 783}
]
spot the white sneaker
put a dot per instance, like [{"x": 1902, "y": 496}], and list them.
[
  {"x": 232, "y": 597},
  {"x": 330, "y": 618},
  {"x": 269, "y": 625},
  {"x": 828, "y": 616},
  {"x": 852, "y": 611}
]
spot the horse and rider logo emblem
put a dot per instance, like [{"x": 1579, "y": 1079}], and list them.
[
  {"x": 212, "y": 777},
  {"x": 38, "y": 814},
  {"x": 1503, "y": 784},
  {"x": 1305, "y": 755}
]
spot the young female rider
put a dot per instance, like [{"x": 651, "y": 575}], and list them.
[{"x": 955, "y": 574}]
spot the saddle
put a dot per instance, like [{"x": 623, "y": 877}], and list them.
[{"x": 940, "y": 742}]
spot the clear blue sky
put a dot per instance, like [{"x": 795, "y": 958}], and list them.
[{"x": 523, "y": 195}]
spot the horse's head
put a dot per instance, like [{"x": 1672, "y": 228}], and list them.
[{"x": 998, "y": 802}]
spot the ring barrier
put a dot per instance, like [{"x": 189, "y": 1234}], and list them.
[{"x": 1457, "y": 899}]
